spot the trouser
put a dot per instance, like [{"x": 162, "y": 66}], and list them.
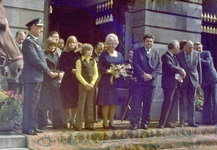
[
  {"x": 210, "y": 104},
  {"x": 141, "y": 94},
  {"x": 85, "y": 101},
  {"x": 171, "y": 97},
  {"x": 31, "y": 99},
  {"x": 187, "y": 103}
]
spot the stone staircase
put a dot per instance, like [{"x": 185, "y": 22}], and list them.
[
  {"x": 186, "y": 138},
  {"x": 11, "y": 140}
]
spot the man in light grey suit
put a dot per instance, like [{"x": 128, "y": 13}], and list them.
[{"x": 190, "y": 61}]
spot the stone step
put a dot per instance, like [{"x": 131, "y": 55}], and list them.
[
  {"x": 204, "y": 142},
  {"x": 10, "y": 139},
  {"x": 15, "y": 148}
]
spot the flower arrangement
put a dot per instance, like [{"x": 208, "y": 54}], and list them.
[
  {"x": 199, "y": 100},
  {"x": 121, "y": 70},
  {"x": 10, "y": 106}
]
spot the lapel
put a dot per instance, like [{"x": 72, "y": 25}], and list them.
[
  {"x": 36, "y": 41},
  {"x": 183, "y": 58},
  {"x": 172, "y": 58},
  {"x": 50, "y": 58},
  {"x": 143, "y": 53}
]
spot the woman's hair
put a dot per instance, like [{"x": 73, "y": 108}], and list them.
[
  {"x": 48, "y": 42},
  {"x": 80, "y": 44},
  {"x": 69, "y": 40},
  {"x": 86, "y": 47},
  {"x": 113, "y": 37}
]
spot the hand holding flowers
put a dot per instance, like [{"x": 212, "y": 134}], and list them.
[{"x": 120, "y": 70}]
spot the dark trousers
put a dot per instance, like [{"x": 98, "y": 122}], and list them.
[
  {"x": 56, "y": 119},
  {"x": 210, "y": 104},
  {"x": 31, "y": 99},
  {"x": 141, "y": 94},
  {"x": 171, "y": 97},
  {"x": 187, "y": 103}
]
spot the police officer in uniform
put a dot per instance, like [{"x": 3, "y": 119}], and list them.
[{"x": 32, "y": 75}]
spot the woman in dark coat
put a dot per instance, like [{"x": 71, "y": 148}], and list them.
[
  {"x": 69, "y": 84},
  {"x": 50, "y": 98},
  {"x": 107, "y": 96}
]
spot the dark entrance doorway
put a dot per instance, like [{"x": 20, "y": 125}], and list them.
[{"x": 89, "y": 24}]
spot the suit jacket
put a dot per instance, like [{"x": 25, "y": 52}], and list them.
[
  {"x": 194, "y": 71},
  {"x": 170, "y": 66},
  {"x": 95, "y": 56},
  {"x": 144, "y": 64},
  {"x": 34, "y": 61},
  {"x": 209, "y": 74}
]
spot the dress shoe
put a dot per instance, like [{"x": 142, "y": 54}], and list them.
[
  {"x": 90, "y": 128},
  {"x": 105, "y": 127},
  {"x": 38, "y": 131},
  {"x": 170, "y": 125},
  {"x": 181, "y": 125},
  {"x": 112, "y": 127},
  {"x": 144, "y": 126},
  {"x": 30, "y": 132},
  {"x": 134, "y": 127},
  {"x": 161, "y": 126},
  {"x": 96, "y": 121},
  {"x": 193, "y": 125}
]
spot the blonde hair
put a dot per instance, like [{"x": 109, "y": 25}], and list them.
[
  {"x": 86, "y": 47},
  {"x": 113, "y": 37},
  {"x": 48, "y": 42},
  {"x": 70, "y": 39}
]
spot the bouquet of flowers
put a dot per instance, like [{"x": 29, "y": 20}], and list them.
[
  {"x": 10, "y": 106},
  {"x": 121, "y": 70}
]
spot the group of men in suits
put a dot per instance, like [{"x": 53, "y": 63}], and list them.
[{"x": 181, "y": 76}]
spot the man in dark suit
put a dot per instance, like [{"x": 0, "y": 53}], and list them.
[
  {"x": 32, "y": 76},
  {"x": 96, "y": 53},
  {"x": 147, "y": 66},
  {"x": 209, "y": 85},
  {"x": 189, "y": 60},
  {"x": 172, "y": 75}
]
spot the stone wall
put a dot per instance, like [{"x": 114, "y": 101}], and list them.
[
  {"x": 166, "y": 20},
  {"x": 20, "y": 12}
]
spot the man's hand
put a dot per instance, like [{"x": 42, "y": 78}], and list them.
[
  {"x": 74, "y": 71},
  {"x": 53, "y": 74},
  {"x": 61, "y": 75},
  {"x": 147, "y": 77},
  {"x": 89, "y": 87},
  {"x": 110, "y": 71},
  {"x": 180, "y": 79}
]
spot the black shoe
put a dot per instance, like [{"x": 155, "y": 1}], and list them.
[
  {"x": 181, "y": 125},
  {"x": 170, "y": 125},
  {"x": 161, "y": 126},
  {"x": 90, "y": 128},
  {"x": 96, "y": 121},
  {"x": 105, "y": 127},
  {"x": 134, "y": 127},
  {"x": 112, "y": 127},
  {"x": 30, "y": 132},
  {"x": 144, "y": 126},
  {"x": 193, "y": 125},
  {"x": 38, "y": 131}
]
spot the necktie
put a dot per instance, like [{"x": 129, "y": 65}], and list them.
[
  {"x": 174, "y": 57},
  {"x": 188, "y": 60},
  {"x": 148, "y": 53}
]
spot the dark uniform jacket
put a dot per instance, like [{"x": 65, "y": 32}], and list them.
[{"x": 34, "y": 61}]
